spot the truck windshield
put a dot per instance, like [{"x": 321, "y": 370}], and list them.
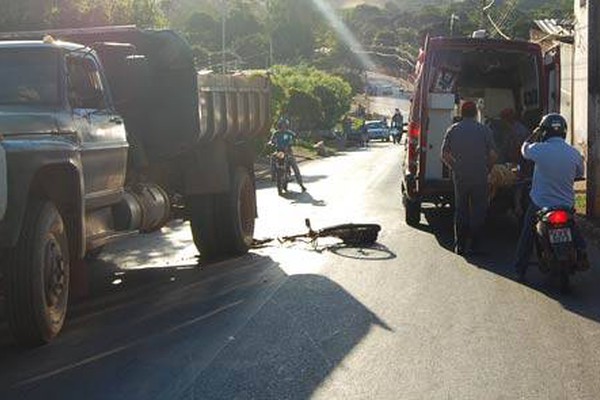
[{"x": 28, "y": 77}]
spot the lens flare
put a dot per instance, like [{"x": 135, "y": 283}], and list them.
[{"x": 343, "y": 32}]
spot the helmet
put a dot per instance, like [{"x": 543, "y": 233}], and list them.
[
  {"x": 283, "y": 123},
  {"x": 553, "y": 125}
]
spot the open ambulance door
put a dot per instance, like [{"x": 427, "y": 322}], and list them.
[{"x": 552, "y": 79}]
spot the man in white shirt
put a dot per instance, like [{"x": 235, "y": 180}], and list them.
[{"x": 557, "y": 165}]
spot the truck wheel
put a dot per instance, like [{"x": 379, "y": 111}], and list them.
[
  {"x": 412, "y": 212},
  {"x": 239, "y": 212},
  {"x": 223, "y": 224},
  {"x": 37, "y": 276},
  {"x": 205, "y": 229}
]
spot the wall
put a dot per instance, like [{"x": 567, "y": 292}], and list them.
[
  {"x": 566, "y": 87},
  {"x": 580, "y": 77}
]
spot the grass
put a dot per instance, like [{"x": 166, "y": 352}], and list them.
[
  {"x": 580, "y": 203},
  {"x": 580, "y": 197}
]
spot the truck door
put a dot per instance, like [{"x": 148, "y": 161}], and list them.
[
  {"x": 552, "y": 76},
  {"x": 441, "y": 109},
  {"x": 101, "y": 131}
]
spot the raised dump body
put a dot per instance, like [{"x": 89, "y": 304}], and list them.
[{"x": 233, "y": 106}]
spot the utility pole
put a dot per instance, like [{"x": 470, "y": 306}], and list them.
[
  {"x": 482, "y": 23},
  {"x": 593, "y": 145},
  {"x": 453, "y": 19},
  {"x": 224, "y": 35},
  {"x": 270, "y": 29}
]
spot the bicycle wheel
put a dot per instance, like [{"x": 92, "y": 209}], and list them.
[{"x": 353, "y": 234}]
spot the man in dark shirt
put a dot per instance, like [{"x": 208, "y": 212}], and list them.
[
  {"x": 397, "y": 125},
  {"x": 468, "y": 150}
]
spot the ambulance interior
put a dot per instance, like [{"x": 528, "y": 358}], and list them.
[{"x": 495, "y": 80}]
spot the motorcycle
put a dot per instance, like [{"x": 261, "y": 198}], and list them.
[
  {"x": 555, "y": 245},
  {"x": 281, "y": 169}
]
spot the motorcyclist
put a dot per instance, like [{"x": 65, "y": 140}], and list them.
[
  {"x": 283, "y": 139},
  {"x": 398, "y": 125},
  {"x": 557, "y": 165}
]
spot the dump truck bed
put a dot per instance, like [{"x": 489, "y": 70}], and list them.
[{"x": 179, "y": 108}]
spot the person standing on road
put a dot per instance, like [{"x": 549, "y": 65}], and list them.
[
  {"x": 515, "y": 133},
  {"x": 398, "y": 125},
  {"x": 468, "y": 150},
  {"x": 557, "y": 165},
  {"x": 283, "y": 139}
]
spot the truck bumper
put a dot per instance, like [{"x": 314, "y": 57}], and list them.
[{"x": 429, "y": 191}]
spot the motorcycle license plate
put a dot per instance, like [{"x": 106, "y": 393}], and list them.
[{"x": 560, "y": 235}]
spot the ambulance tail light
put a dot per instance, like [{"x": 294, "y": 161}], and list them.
[{"x": 414, "y": 136}]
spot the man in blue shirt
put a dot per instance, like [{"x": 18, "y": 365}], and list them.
[
  {"x": 557, "y": 165},
  {"x": 283, "y": 139}
]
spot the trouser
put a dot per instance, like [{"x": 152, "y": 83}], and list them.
[
  {"x": 294, "y": 165},
  {"x": 471, "y": 203},
  {"x": 525, "y": 245}
]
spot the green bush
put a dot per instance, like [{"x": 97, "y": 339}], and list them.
[{"x": 313, "y": 99}]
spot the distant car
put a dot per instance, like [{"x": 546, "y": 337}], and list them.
[
  {"x": 355, "y": 137},
  {"x": 387, "y": 91},
  {"x": 377, "y": 130}
]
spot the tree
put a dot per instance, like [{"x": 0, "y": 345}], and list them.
[
  {"x": 293, "y": 33},
  {"x": 304, "y": 109}
]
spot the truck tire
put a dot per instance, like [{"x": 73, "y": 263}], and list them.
[
  {"x": 205, "y": 229},
  {"x": 223, "y": 224},
  {"x": 37, "y": 276},
  {"x": 412, "y": 212},
  {"x": 239, "y": 212}
]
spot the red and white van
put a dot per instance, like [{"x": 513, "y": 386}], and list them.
[{"x": 496, "y": 74}]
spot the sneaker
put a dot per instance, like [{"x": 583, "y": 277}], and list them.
[{"x": 459, "y": 250}]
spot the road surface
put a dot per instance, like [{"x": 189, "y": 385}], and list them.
[{"x": 405, "y": 320}]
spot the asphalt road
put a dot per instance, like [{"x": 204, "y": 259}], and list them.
[{"x": 407, "y": 319}]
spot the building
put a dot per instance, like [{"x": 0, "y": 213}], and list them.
[
  {"x": 557, "y": 37},
  {"x": 579, "y": 126}
]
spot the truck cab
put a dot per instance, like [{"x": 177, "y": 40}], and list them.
[
  {"x": 495, "y": 74},
  {"x": 107, "y": 133}
]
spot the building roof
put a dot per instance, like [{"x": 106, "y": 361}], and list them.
[{"x": 555, "y": 27}]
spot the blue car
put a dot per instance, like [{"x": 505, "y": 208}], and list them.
[{"x": 377, "y": 130}]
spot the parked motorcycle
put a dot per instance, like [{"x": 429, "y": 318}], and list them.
[
  {"x": 281, "y": 169},
  {"x": 555, "y": 245}
]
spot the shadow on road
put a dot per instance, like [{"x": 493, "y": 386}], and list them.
[
  {"x": 241, "y": 328},
  {"x": 500, "y": 242},
  {"x": 266, "y": 182},
  {"x": 439, "y": 222},
  {"x": 304, "y": 198},
  {"x": 377, "y": 252}
]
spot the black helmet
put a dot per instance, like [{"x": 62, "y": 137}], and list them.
[
  {"x": 553, "y": 125},
  {"x": 283, "y": 123}
]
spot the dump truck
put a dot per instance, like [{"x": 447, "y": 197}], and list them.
[{"x": 111, "y": 132}]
